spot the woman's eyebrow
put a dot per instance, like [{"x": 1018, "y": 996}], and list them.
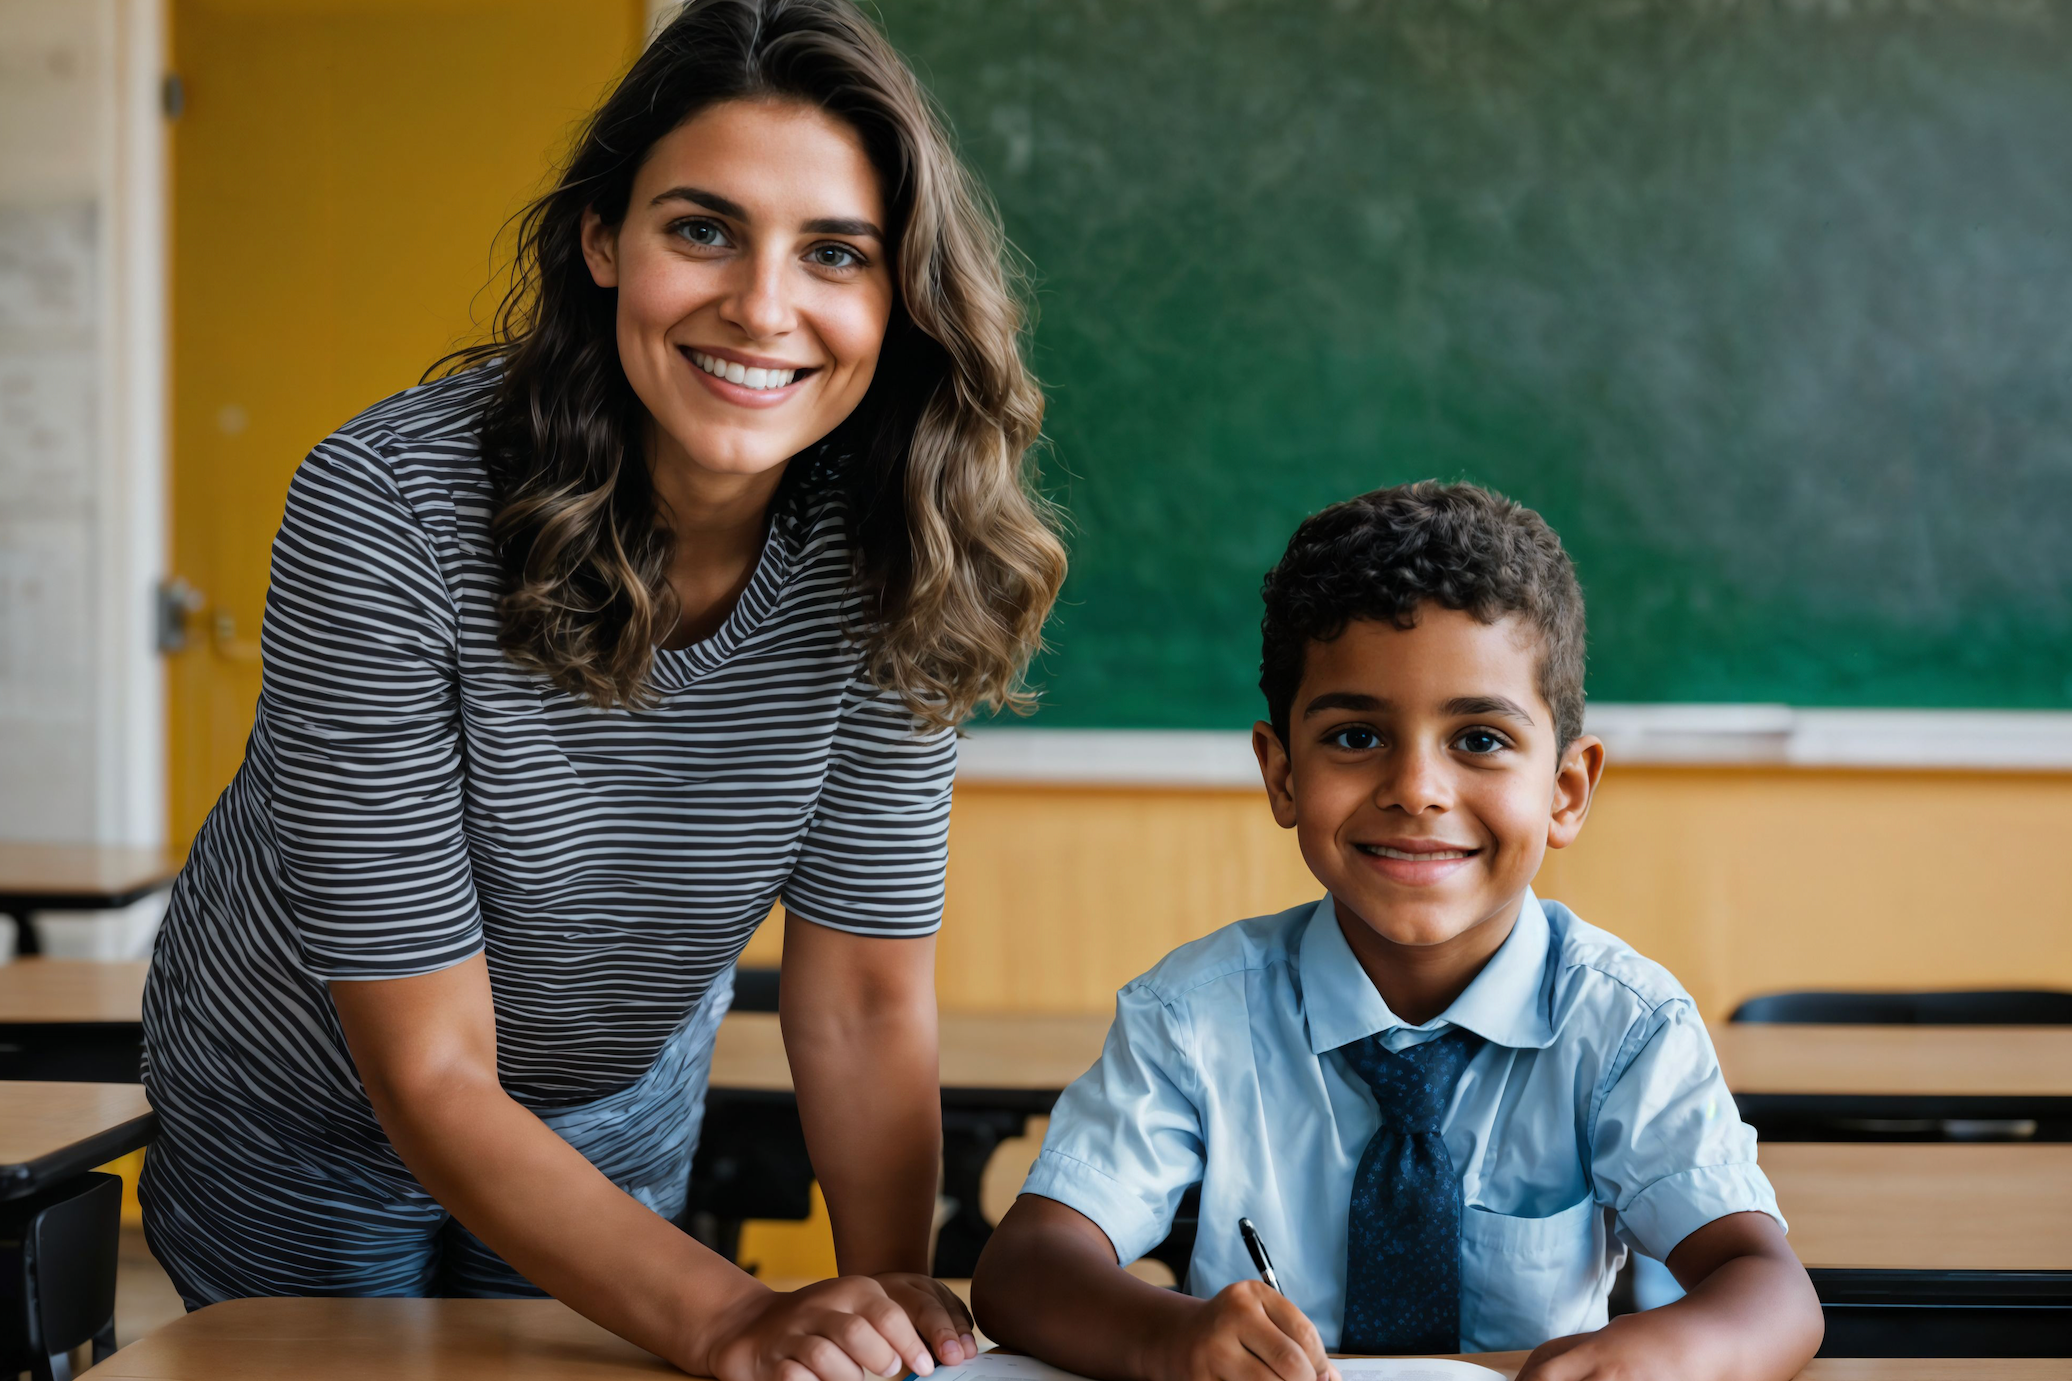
[
  {"x": 727, "y": 206},
  {"x": 711, "y": 201},
  {"x": 838, "y": 226}
]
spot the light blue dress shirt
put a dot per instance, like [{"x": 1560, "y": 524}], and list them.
[{"x": 1593, "y": 1118}]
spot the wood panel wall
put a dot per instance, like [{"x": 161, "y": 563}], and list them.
[{"x": 1741, "y": 880}]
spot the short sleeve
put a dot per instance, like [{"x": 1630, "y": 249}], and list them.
[
  {"x": 874, "y": 852},
  {"x": 1669, "y": 1151},
  {"x": 1125, "y": 1140},
  {"x": 359, "y": 713}
]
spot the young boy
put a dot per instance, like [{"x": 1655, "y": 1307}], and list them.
[{"x": 1447, "y": 1105}]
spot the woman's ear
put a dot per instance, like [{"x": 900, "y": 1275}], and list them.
[
  {"x": 1575, "y": 782},
  {"x": 601, "y": 249}
]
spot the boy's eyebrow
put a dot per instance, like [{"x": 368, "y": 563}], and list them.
[
  {"x": 1344, "y": 700},
  {"x": 1488, "y": 704},
  {"x": 727, "y": 206}
]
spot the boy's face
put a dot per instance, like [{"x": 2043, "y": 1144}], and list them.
[{"x": 1421, "y": 779}]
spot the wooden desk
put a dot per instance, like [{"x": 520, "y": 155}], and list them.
[
  {"x": 1925, "y": 1205},
  {"x": 1909, "y": 1061},
  {"x": 50, "y": 1131},
  {"x": 72, "y": 1019},
  {"x": 541, "y": 1340},
  {"x": 982, "y": 1056},
  {"x": 1809, "y": 1083},
  {"x": 94, "y": 991},
  {"x": 76, "y": 877}
]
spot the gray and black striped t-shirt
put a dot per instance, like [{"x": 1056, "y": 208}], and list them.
[{"x": 410, "y": 797}]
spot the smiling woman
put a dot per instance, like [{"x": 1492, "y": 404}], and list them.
[
  {"x": 658, "y": 608},
  {"x": 804, "y": 214}
]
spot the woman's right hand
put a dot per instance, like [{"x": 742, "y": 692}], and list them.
[{"x": 844, "y": 1329}]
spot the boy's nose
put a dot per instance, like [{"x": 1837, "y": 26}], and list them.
[{"x": 1415, "y": 783}]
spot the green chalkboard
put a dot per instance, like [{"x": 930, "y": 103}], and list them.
[{"x": 1766, "y": 306}]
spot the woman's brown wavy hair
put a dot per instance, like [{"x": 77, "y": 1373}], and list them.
[{"x": 956, "y": 554}]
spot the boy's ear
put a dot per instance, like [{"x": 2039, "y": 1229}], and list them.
[
  {"x": 1275, "y": 771},
  {"x": 1575, "y": 782}
]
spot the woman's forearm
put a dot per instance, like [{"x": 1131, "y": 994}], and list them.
[
  {"x": 425, "y": 1048},
  {"x": 871, "y": 1107},
  {"x": 560, "y": 1223}
]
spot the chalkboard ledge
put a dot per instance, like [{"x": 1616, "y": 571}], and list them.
[{"x": 1751, "y": 735}]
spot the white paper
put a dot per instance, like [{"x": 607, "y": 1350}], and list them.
[
  {"x": 1003, "y": 1366},
  {"x": 1413, "y": 1369},
  {"x": 1008, "y": 1366}
]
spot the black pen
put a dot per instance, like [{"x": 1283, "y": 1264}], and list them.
[{"x": 1260, "y": 1259}]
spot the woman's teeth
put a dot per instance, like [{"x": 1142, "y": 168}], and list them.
[
  {"x": 1437, "y": 856},
  {"x": 741, "y": 374}
]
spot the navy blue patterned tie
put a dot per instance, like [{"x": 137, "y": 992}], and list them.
[{"x": 1402, "y": 1249}]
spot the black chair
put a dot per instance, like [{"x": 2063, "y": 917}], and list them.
[
  {"x": 1945, "y": 1313},
  {"x": 752, "y": 1160},
  {"x": 755, "y": 990},
  {"x": 57, "y": 1276},
  {"x": 2012, "y": 1007},
  {"x": 1177, "y": 1251},
  {"x": 88, "y": 1052}
]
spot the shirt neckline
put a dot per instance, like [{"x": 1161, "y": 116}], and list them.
[
  {"x": 1506, "y": 1004},
  {"x": 677, "y": 668}
]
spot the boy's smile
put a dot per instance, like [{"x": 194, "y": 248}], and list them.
[{"x": 1423, "y": 782}]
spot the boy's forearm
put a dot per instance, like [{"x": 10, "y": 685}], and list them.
[
  {"x": 1754, "y": 1318},
  {"x": 1047, "y": 1287},
  {"x": 1751, "y": 1315}
]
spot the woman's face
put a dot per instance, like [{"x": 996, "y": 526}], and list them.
[{"x": 754, "y": 282}]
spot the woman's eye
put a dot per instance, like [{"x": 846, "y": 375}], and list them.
[
  {"x": 1481, "y": 742},
  {"x": 834, "y": 257},
  {"x": 1357, "y": 737},
  {"x": 701, "y": 232}
]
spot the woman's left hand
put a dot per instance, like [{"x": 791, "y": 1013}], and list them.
[{"x": 938, "y": 1315}]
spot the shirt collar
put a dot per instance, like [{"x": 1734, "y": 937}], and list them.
[{"x": 1506, "y": 1004}]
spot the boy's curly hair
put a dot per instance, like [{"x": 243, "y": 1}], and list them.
[{"x": 1383, "y": 554}]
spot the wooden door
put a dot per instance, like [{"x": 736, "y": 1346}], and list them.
[{"x": 341, "y": 171}]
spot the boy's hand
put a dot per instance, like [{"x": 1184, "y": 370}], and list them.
[
  {"x": 836, "y": 1330},
  {"x": 1248, "y": 1332},
  {"x": 937, "y": 1314},
  {"x": 1629, "y": 1348}
]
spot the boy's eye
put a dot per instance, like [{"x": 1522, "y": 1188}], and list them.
[
  {"x": 710, "y": 234},
  {"x": 1357, "y": 737},
  {"x": 834, "y": 256},
  {"x": 1481, "y": 742}
]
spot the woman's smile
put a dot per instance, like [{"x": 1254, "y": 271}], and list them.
[{"x": 732, "y": 378}]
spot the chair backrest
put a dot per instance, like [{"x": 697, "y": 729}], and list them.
[
  {"x": 755, "y": 990},
  {"x": 2013, "y": 1007},
  {"x": 57, "y": 1274}
]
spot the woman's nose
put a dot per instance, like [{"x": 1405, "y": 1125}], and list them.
[{"x": 759, "y": 303}]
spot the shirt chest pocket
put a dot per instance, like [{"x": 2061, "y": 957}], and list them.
[{"x": 1525, "y": 1280}]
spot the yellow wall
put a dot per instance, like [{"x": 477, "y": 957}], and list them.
[
  {"x": 340, "y": 176},
  {"x": 1741, "y": 880}
]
